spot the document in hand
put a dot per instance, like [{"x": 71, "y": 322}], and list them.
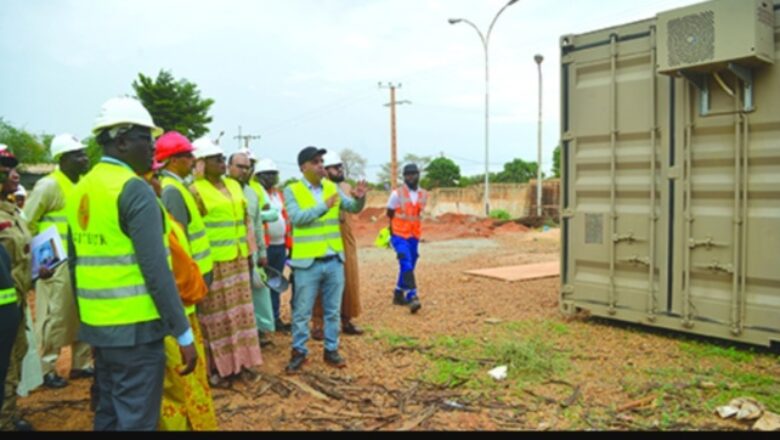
[{"x": 47, "y": 251}]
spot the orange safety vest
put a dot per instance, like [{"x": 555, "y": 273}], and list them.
[
  {"x": 407, "y": 219},
  {"x": 287, "y": 227}
]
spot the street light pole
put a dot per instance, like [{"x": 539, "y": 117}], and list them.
[
  {"x": 539, "y": 58},
  {"x": 485, "y": 41}
]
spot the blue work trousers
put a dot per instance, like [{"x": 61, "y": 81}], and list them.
[
  {"x": 326, "y": 277},
  {"x": 407, "y": 251}
]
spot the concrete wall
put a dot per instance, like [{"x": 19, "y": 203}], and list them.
[{"x": 519, "y": 200}]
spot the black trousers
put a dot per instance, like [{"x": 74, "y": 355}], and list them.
[
  {"x": 130, "y": 387},
  {"x": 10, "y": 316}
]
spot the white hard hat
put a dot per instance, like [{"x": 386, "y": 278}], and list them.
[
  {"x": 65, "y": 143},
  {"x": 331, "y": 159},
  {"x": 20, "y": 191},
  {"x": 205, "y": 147},
  {"x": 3, "y": 147},
  {"x": 266, "y": 166},
  {"x": 124, "y": 111}
]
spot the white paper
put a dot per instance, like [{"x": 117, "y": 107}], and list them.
[{"x": 47, "y": 251}]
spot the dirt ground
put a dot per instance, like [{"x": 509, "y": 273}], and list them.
[{"x": 430, "y": 371}]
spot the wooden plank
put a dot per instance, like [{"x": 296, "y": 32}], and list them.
[{"x": 520, "y": 273}]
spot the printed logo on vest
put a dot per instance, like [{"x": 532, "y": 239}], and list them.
[{"x": 84, "y": 212}]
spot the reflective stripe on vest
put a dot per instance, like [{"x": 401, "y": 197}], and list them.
[
  {"x": 197, "y": 243},
  {"x": 7, "y": 296},
  {"x": 58, "y": 218},
  {"x": 406, "y": 221},
  {"x": 224, "y": 220},
  {"x": 314, "y": 239},
  {"x": 111, "y": 289}
]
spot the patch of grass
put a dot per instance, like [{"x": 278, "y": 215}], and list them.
[
  {"x": 450, "y": 373},
  {"x": 453, "y": 343},
  {"x": 703, "y": 350},
  {"x": 541, "y": 328},
  {"x": 397, "y": 340},
  {"x": 528, "y": 358},
  {"x": 500, "y": 214},
  {"x": 764, "y": 388}
]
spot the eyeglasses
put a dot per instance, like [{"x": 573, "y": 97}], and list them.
[{"x": 243, "y": 167}]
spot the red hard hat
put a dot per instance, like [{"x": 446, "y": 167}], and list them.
[{"x": 169, "y": 144}]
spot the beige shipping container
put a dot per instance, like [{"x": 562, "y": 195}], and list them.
[{"x": 670, "y": 199}]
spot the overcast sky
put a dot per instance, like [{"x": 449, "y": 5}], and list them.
[{"x": 305, "y": 72}]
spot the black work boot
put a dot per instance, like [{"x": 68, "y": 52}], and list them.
[
  {"x": 414, "y": 305},
  {"x": 334, "y": 359},
  {"x": 296, "y": 362},
  {"x": 399, "y": 298}
]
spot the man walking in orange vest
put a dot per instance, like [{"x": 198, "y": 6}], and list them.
[{"x": 405, "y": 209}]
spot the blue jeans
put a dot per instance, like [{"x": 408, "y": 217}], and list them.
[
  {"x": 407, "y": 251},
  {"x": 326, "y": 277},
  {"x": 277, "y": 254}
]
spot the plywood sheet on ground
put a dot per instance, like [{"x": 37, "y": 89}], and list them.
[{"x": 520, "y": 273}]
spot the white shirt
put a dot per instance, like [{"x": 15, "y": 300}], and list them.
[
  {"x": 395, "y": 201},
  {"x": 277, "y": 229}
]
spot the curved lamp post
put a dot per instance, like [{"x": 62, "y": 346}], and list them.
[{"x": 485, "y": 38}]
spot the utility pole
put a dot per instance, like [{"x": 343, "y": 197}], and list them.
[
  {"x": 538, "y": 59},
  {"x": 393, "y": 138},
  {"x": 245, "y": 138}
]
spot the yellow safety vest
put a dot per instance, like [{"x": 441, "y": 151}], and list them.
[
  {"x": 58, "y": 218},
  {"x": 224, "y": 219},
  {"x": 197, "y": 243},
  {"x": 7, "y": 296},
  {"x": 260, "y": 191},
  {"x": 111, "y": 289},
  {"x": 313, "y": 240}
]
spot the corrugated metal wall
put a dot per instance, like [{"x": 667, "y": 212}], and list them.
[{"x": 670, "y": 219}]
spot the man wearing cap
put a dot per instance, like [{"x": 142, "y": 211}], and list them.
[
  {"x": 350, "y": 302},
  {"x": 278, "y": 233},
  {"x": 127, "y": 296},
  {"x": 56, "y": 318},
  {"x": 174, "y": 152},
  {"x": 227, "y": 314},
  {"x": 317, "y": 257},
  {"x": 405, "y": 209},
  {"x": 240, "y": 170}
]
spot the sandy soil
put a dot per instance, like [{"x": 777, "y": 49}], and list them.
[{"x": 429, "y": 371}]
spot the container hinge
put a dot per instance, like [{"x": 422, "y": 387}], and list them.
[
  {"x": 701, "y": 82},
  {"x": 567, "y": 136},
  {"x": 618, "y": 238},
  {"x": 708, "y": 243},
  {"x": 673, "y": 173},
  {"x": 567, "y": 213},
  {"x": 746, "y": 75},
  {"x": 716, "y": 266},
  {"x": 636, "y": 259},
  {"x": 567, "y": 290}
]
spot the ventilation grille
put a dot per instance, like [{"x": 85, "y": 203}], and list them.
[{"x": 691, "y": 39}]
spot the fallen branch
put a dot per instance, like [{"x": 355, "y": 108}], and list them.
[
  {"x": 571, "y": 399},
  {"x": 306, "y": 388},
  {"x": 539, "y": 396},
  {"x": 636, "y": 404},
  {"x": 421, "y": 417}
]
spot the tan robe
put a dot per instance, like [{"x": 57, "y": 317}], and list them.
[{"x": 350, "y": 302}]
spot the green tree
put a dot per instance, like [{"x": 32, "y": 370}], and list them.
[
  {"x": 94, "y": 151},
  {"x": 556, "y": 170},
  {"x": 441, "y": 173},
  {"x": 174, "y": 105},
  {"x": 517, "y": 171},
  {"x": 28, "y": 148}
]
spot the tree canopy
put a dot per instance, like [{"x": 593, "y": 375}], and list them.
[
  {"x": 441, "y": 173},
  {"x": 517, "y": 171},
  {"x": 28, "y": 148},
  {"x": 354, "y": 164},
  {"x": 174, "y": 104},
  {"x": 421, "y": 161}
]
